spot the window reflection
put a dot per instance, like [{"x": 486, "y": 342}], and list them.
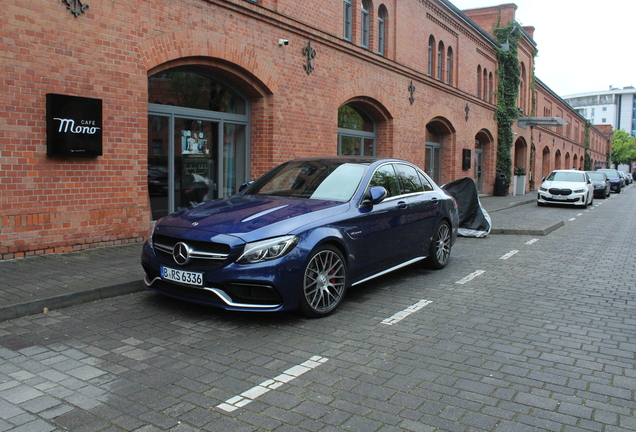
[{"x": 183, "y": 88}]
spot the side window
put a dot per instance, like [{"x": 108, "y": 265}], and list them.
[
  {"x": 385, "y": 176},
  {"x": 409, "y": 179},
  {"x": 425, "y": 183},
  {"x": 348, "y": 20}
]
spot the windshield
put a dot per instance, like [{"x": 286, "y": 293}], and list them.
[
  {"x": 610, "y": 173},
  {"x": 566, "y": 176},
  {"x": 316, "y": 179},
  {"x": 596, "y": 176}
]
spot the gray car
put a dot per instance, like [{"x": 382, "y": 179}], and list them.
[{"x": 602, "y": 186}]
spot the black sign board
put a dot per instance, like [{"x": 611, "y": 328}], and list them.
[
  {"x": 73, "y": 125},
  {"x": 466, "y": 159}
]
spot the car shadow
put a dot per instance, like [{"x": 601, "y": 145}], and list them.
[{"x": 359, "y": 294}]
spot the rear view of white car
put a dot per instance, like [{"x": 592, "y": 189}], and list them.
[{"x": 566, "y": 187}]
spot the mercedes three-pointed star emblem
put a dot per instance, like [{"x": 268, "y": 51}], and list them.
[{"x": 181, "y": 253}]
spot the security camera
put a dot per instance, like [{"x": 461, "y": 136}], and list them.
[{"x": 282, "y": 42}]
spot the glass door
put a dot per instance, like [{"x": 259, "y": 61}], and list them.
[
  {"x": 186, "y": 164},
  {"x": 479, "y": 160},
  {"x": 195, "y": 160},
  {"x": 432, "y": 165},
  {"x": 160, "y": 182}
]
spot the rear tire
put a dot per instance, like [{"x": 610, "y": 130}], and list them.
[{"x": 440, "y": 249}]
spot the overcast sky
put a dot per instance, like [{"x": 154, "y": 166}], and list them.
[{"x": 583, "y": 45}]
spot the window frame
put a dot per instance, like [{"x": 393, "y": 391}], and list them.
[
  {"x": 382, "y": 30},
  {"x": 366, "y": 24},
  {"x": 347, "y": 20}
]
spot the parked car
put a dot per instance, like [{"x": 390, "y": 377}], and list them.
[
  {"x": 623, "y": 177},
  {"x": 303, "y": 233},
  {"x": 628, "y": 178},
  {"x": 614, "y": 177},
  {"x": 566, "y": 187},
  {"x": 602, "y": 186}
]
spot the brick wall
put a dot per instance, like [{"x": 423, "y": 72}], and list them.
[{"x": 57, "y": 204}]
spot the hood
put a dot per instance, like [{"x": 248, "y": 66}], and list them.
[{"x": 254, "y": 216}]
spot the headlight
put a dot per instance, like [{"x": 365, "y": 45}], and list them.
[
  {"x": 266, "y": 250},
  {"x": 151, "y": 231},
  {"x": 579, "y": 190},
  {"x": 542, "y": 189}
]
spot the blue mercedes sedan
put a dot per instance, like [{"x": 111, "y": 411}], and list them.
[{"x": 303, "y": 233}]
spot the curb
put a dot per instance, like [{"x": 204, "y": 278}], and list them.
[
  {"x": 542, "y": 232},
  {"x": 33, "y": 307}
]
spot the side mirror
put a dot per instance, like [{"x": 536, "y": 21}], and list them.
[
  {"x": 375, "y": 195},
  {"x": 245, "y": 185}
]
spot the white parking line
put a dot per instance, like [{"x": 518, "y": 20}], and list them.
[
  {"x": 529, "y": 242},
  {"x": 406, "y": 312},
  {"x": 248, "y": 396},
  {"x": 572, "y": 219},
  {"x": 470, "y": 277},
  {"x": 580, "y": 214},
  {"x": 509, "y": 254}
]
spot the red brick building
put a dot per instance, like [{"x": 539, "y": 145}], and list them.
[{"x": 197, "y": 97}]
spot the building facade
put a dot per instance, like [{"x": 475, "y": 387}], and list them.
[
  {"x": 614, "y": 107},
  {"x": 117, "y": 113}
]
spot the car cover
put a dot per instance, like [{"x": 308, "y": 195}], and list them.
[{"x": 474, "y": 221}]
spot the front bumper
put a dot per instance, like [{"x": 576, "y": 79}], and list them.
[
  {"x": 572, "y": 199},
  {"x": 268, "y": 286}
]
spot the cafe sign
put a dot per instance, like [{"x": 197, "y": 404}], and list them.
[{"x": 73, "y": 125}]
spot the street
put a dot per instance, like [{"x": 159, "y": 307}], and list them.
[{"x": 517, "y": 333}]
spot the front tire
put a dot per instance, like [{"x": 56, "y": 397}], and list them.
[
  {"x": 324, "y": 282},
  {"x": 440, "y": 249}
]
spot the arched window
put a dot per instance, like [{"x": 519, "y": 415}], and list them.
[
  {"x": 356, "y": 131},
  {"x": 449, "y": 66},
  {"x": 348, "y": 20},
  {"x": 522, "y": 90},
  {"x": 485, "y": 87},
  {"x": 479, "y": 81},
  {"x": 198, "y": 138},
  {"x": 491, "y": 90},
  {"x": 440, "y": 61},
  {"x": 431, "y": 55},
  {"x": 382, "y": 16},
  {"x": 365, "y": 24}
]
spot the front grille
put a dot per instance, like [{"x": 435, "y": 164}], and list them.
[
  {"x": 252, "y": 293},
  {"x": 185, "y": 291},
  {"x": 562, "y": 192},
  {"x": 203, "y": 255},
  {"x": 569, "y": 200},
  {"x": 240, "y": 293}
]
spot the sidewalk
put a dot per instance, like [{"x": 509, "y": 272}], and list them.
[{"x": 29, "y": 285}]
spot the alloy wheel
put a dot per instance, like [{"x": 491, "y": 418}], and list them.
[{"x": 324, "y": 282}]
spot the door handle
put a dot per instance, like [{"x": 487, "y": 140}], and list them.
[{"x": 402, "y": 204}]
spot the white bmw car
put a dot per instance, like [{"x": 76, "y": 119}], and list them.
[{"x": 566, "y": 187}]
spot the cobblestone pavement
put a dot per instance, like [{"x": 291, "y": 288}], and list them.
[{"x": 518, "y": 333}]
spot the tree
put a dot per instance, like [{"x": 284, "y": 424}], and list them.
[{"x": 623, "y": 148}]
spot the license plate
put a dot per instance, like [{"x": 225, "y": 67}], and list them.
[
  {"x": 559, "y": 197},
  {"x": 184, "y": 277}
]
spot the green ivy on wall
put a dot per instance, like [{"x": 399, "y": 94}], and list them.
[{"x": 507, "y": 94}]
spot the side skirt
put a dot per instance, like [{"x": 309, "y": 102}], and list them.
[{"x": 399, "y": 266}]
